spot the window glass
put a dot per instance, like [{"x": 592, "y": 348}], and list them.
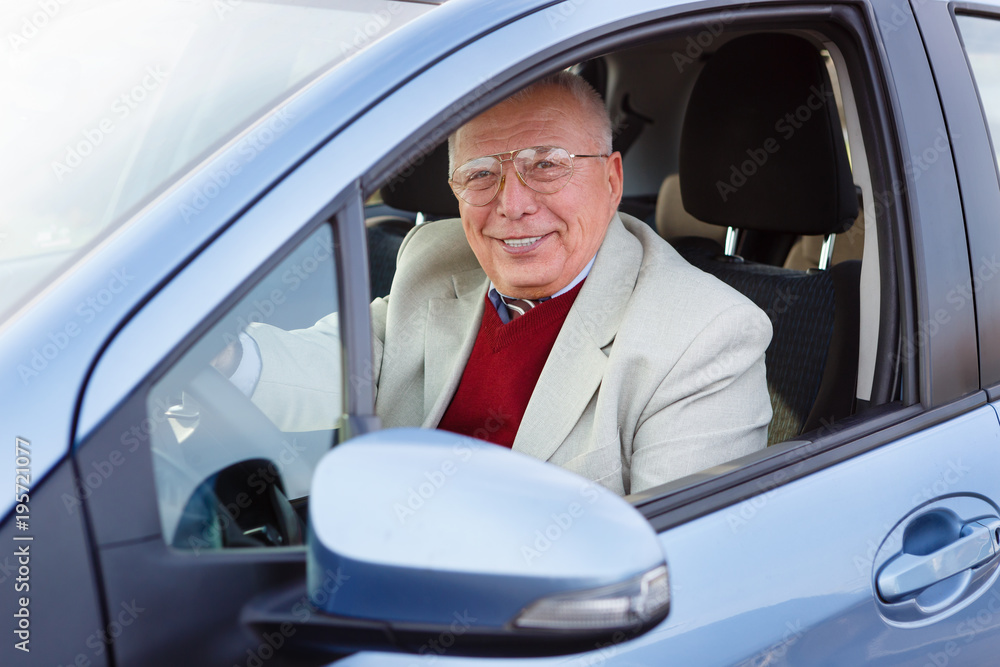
[
  {"x": 981, "y": 37},
  {"x": 226, "y": 474},
  {"x": 108, "y": 102}
]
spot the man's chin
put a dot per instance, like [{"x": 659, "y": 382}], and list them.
[{"x": 528, "y": 287}]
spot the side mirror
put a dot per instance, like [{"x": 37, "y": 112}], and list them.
[{"x": 419, "y": 536}]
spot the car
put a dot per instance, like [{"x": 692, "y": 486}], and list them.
[{"x": 174, "y": 171}]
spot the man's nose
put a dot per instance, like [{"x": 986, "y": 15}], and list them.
[{"x": 515, "y": 199}]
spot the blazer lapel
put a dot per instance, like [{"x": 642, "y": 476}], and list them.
[
  {"x": 573, "y": 371},
  {"x": 452, "y": 326}
]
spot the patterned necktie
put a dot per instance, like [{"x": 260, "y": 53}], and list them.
[{"x": 518, "y": 307}]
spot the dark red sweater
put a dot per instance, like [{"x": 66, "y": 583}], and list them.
[{"x": 503, "y": 369}]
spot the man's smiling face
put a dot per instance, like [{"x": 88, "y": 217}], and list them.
[{"x": 532, "y": 245}]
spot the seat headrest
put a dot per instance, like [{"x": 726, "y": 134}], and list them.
[
  {"x": 762, "y": 146},
  {"x": 423, "y": 186}
]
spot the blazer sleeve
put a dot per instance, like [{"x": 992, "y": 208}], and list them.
[
  {"x": 300, "y": 383},
  {"x": 712, "y": 406}
]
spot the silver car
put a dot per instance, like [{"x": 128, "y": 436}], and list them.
[{"x": 174, "y": 170}]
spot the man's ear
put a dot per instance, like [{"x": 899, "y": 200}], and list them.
[{"x": 615, "y": 179}]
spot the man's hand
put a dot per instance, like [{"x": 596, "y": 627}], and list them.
[{"x": 228, "y": 360}]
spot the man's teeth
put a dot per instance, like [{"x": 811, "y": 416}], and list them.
[{"x": 520, "y": 243}]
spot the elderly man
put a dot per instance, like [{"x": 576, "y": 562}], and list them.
[{"x": 544, "y": 320}]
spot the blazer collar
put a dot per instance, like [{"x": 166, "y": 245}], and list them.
[
  {"x": 575, "y": 367},
  {"x": 452, "y": 326}
]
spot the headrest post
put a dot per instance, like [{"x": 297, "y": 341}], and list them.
[
  {"x": 826, "y": 253},
  {"x": 732, "y": 238}
]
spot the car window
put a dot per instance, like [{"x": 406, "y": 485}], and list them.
[
  {"x": 981, "y": 37},
  {"x": 851, "y": 367},
  {"x": 111, "y": 102},
  {"x": 226, "y": 474}
]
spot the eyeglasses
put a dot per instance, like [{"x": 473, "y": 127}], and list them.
[{"x": 544, "y": 169}]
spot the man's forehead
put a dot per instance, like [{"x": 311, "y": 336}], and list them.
[{"x": 544, "y": 118}]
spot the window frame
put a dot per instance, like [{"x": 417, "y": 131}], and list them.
[
  {"x": 128, "y": 546},
  {"x": 975, "y": 156},
  {"x": 686, "y": 499}
]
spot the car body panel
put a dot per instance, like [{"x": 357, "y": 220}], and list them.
[
  {"x": 787, "y": 606},
  {"x": 781, "y": 577},
  {"x": 932, "y": 194},
  {"x": 978, "y": 175}
]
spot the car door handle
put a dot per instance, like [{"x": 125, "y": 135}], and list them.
[{"x": 910, "y": 573}]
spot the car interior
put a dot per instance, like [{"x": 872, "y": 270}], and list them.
[{"x": 791, "y": 237}]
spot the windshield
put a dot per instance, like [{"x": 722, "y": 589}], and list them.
[{"x": 107, "y": 102}]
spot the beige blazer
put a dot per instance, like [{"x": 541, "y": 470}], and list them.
[{"x": 657, "y": 373}]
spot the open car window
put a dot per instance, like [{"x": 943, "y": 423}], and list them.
[
  {"x": 825, "y": 365},
  {"x": 226, "y": 474}
]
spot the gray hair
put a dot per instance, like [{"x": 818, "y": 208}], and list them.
[{"x": 589, "y": 100}]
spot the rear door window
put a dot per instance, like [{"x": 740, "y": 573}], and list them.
[{"x": 981, "y": 37}]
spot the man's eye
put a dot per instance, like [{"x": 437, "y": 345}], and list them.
[{"x": 479, "y": 179}]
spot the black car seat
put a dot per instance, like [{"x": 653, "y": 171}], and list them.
[
  {"x": 762, "y": 149},
  {"x": 419, "y": 188}
]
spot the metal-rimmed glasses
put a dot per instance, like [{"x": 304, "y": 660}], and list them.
[{"x": 544, "y": 169}]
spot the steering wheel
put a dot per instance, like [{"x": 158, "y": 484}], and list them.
[{"x": 249, "y": 443}]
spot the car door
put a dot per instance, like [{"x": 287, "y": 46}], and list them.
[
  {"x": 787, "y": 558},
  {"x": 782, "y": 554}
]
